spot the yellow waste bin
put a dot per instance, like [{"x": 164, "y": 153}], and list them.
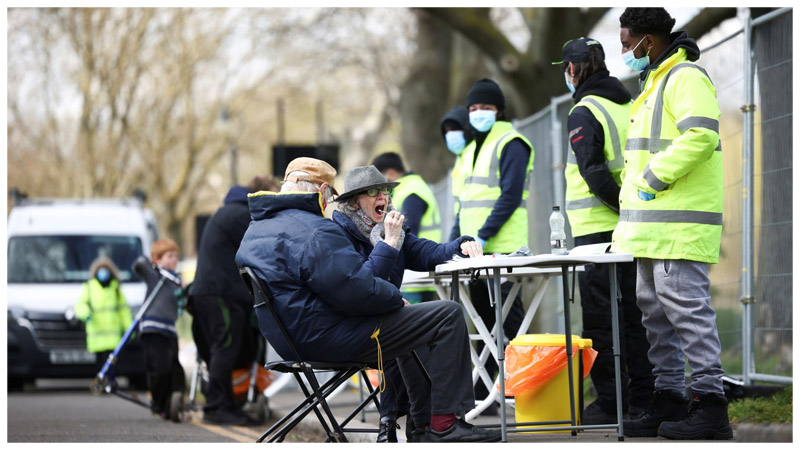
[{"x": 536, "y": 365}]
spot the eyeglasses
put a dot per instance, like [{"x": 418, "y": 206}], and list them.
[{"x": 386, "y": 190}]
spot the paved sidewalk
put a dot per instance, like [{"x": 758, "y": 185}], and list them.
[{"x": 344, "y": 402}]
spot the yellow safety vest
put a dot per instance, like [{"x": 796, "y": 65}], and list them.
[
  {"x": 430, "y": 226},
  {"x": 108, "y": 313},
  {"x": 673, "y": 151},
  {"x": 481, "y": 189},
  {"x": 586, "y": 213}
]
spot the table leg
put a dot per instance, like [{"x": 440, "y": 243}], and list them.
[
  {"x": 568, "y": 336},
  {"x": 498, "y": 323},
  {"x": 617, "y": 349}
]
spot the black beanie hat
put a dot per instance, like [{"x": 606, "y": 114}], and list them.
[{"x": 488, "y": 92}]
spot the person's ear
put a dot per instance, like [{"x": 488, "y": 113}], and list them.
[
  {"x": 571, "y": 69},
  {"x": 323, "y": 189},
  {"x": 649, "y": 42}
]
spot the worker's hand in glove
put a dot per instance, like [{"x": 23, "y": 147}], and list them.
[{"x": 646, "y": 196}]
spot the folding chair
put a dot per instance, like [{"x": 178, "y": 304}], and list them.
[{"x": 316, "y": 396}]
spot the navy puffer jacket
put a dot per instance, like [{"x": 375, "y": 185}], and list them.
[
  {"x": 389, "y": 263},
  {"x": 328, "y": 301}
]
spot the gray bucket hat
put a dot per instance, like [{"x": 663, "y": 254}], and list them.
[{"x": 362, "y": 179}]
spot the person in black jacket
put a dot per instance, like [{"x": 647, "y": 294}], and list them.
[
  {"x": 598, "y": 125},
  {"x": 221, "y": 305},
  {"x": 336, "y": 310}
]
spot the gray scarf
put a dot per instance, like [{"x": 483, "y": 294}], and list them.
[{"x": 373, "y": 232}]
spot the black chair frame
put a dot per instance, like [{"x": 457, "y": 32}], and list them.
[{"x": 315, "y": 394}]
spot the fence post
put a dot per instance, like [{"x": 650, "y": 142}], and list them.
[{"x": 748, "y": 108}]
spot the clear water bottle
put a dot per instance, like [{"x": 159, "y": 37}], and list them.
[{"x": 558, "y": 238}]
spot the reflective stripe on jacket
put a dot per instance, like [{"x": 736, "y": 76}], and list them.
[
  {"x": 430, "y": 227},
  {"x": 108, "y": 314},
  {"x": 673, "y": 151},
  {"x": 586, "y": 213},
  {"x": 481, "y": 189}
]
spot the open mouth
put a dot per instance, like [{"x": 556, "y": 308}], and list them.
[{"x": 380, "y": 210}]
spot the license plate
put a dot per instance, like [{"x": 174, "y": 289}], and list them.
[{"x": 71, "y": 357}]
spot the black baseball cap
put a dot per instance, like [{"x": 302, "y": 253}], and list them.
[{"x": 577, "y": 50}]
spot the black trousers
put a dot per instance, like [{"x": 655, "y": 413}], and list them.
[
  {"x": 438, "y": 331},
  {"x": 223, "y": 325},
  {"x": 394, "y": 399},
  {"x": 636, "y": 370},
  {"x": 164, "y": 372},
  {"x": 479, "y": 294}
]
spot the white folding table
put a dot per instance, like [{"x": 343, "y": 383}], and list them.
[
  {"x": 542, "y": 266},
  {"x": 538, "y": 278}
]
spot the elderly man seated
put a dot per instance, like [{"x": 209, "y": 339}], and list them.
[{"x": 336, "y": 310}]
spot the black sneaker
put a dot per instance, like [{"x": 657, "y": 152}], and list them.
[
  {"x": 594, "y": 414},
  {"x": 707, "y": 419},
  {"x": 461, "y": 431},
  {"x": 387, "y": 430},
  {"x": 666, "y": 406},
  {"x": 635, "y": 412}
]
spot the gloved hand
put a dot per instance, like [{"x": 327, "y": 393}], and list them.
[
  {"x": 480, "y": 241},
  {"x": 646, "y": 196}
]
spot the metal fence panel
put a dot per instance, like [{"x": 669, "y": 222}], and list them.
[{"x": 772, "y": 335}]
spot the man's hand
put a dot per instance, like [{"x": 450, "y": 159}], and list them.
[
  {"x": 406, "y": 303},
  {"x": 393, "y": 225},
  {"x": 472, "y": 248}
]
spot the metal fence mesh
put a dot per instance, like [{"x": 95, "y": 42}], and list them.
[{"x": 773, "y": 202}]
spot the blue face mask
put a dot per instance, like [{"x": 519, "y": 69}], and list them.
[
  {"x": 569, "y": 85},
  {"x": 103, "y": 275},
  {"x": 482, "y": 119},
  {"x": 633, "y": 62},
  {"x": 455, "y": 141}
]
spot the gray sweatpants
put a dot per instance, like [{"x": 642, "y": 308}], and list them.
[{"x": 673, "y": 295}]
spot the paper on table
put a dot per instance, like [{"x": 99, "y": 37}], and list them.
[{"x": 591, "y": 249}]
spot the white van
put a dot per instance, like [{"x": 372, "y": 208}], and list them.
[{"x": 51, "y": 245}]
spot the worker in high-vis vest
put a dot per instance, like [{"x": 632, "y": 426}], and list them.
[
  {"x": 598, "y": 127},
  {"x": 415, "y": 199},
  {"x": 495, "y": 169},
  {"x": 671, "y": 221},
  {"x": 103, "y": 308},
  {"x": 457, "y": 135}
]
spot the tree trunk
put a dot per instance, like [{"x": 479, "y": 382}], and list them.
[{"x": 424, "y": 99}]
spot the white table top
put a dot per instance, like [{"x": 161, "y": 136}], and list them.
[
  {"x": 412, "y": 278},
  {"x": 535, "y": 261}
]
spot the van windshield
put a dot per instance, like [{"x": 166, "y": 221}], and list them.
[{"x": 66, "y": 259}]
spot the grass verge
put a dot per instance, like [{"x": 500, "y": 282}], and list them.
[{"x": 775, "y": 409}]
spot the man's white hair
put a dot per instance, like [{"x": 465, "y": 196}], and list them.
[{"x": 305, "y": 186}]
